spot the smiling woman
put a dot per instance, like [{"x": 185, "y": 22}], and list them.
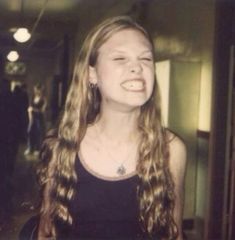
[
  {"x": 124, "y": 70},
  {"x": 109, "y": 170}
]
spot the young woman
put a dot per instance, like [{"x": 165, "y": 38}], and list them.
[
  {"x": 111, "y": 170},
  {"x": 36, "y": 124}
]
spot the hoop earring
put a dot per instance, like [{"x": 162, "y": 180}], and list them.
[
  {"x": 92, "y": 85},
  {"x": 95, "y": 96}
]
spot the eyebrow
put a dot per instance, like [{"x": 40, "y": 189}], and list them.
[{"x": 122, "y": 51}]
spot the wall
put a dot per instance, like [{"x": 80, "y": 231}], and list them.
[
  {"x": 188, "y": 34},
  {"x": 179, "y": 82}
]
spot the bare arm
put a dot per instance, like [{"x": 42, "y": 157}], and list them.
[
  {"x": 177, "y": 168},
  {"x": 30, "y": 115}
]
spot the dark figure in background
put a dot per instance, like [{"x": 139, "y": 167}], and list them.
[
  {"x": 21, "y": 103},
  {"x": 36, "y": 126},
  {"x": 8, "y": 149}
]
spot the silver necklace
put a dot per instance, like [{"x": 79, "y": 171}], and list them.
[{"x": 121, "y": 169}]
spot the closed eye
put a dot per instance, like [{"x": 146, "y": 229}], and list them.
[
  {"x": 119, "y": 58},
  {"x": 146, "y": 59}
]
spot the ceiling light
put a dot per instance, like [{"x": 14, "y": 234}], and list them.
[
  {"x": 13, "y": 56},
  {"x": 22, "y": 35}
]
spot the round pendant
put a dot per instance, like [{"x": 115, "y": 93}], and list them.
[{"x": 121, "y": 170}]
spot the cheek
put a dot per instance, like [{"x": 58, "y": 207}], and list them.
[
  {"x": 109, "y": 75},
  {"x": 105, "y": 80},
  {"x": 150, "y": 88},
  {"x": 150, "y": 78}
]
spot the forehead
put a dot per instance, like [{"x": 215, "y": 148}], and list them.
[{"x": 126, "y": 38}]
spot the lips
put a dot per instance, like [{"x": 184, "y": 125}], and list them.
[{"x": 134, "y": 85}]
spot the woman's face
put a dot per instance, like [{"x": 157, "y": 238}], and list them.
[{"x": 124, "y": 71}]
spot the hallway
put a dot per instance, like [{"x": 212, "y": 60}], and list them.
[{"x": 24, "y": 197}]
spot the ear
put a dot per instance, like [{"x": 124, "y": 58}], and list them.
[{"x": 92, "y": 75}]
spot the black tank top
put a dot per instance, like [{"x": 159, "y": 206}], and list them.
[{"x": 105, "y": 209}]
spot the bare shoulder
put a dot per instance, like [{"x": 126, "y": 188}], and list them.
[
  {"x": 178, "y": 154},
  {"x": 176, "y": 144}
]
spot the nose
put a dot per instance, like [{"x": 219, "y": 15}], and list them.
[{"x": 135, "y": 67}]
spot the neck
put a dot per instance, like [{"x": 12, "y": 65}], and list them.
[{"x": 118, "y": 126}]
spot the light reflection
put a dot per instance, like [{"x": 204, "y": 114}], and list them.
[
  {"x": 22, "y": 35},
  {"x": 13, "y": 56}
]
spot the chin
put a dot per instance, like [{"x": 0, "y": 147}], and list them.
[
  {"x": 135, "y": 104},
  {"x": 138, "y": 102}
]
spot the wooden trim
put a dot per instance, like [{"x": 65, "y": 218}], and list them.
[{"x": 203, "y": 134}]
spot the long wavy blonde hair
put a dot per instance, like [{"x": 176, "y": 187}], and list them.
[{"x": 58, "y": 176}]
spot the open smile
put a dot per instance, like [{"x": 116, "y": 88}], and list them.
[{"x": 134, "y": 85}]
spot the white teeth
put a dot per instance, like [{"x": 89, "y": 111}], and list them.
[{"x": 133, "y": 85}]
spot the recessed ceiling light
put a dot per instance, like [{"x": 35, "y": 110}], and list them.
[
  {"x": 13, "y": 56},
  {"x": 22, "y": 35}
]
